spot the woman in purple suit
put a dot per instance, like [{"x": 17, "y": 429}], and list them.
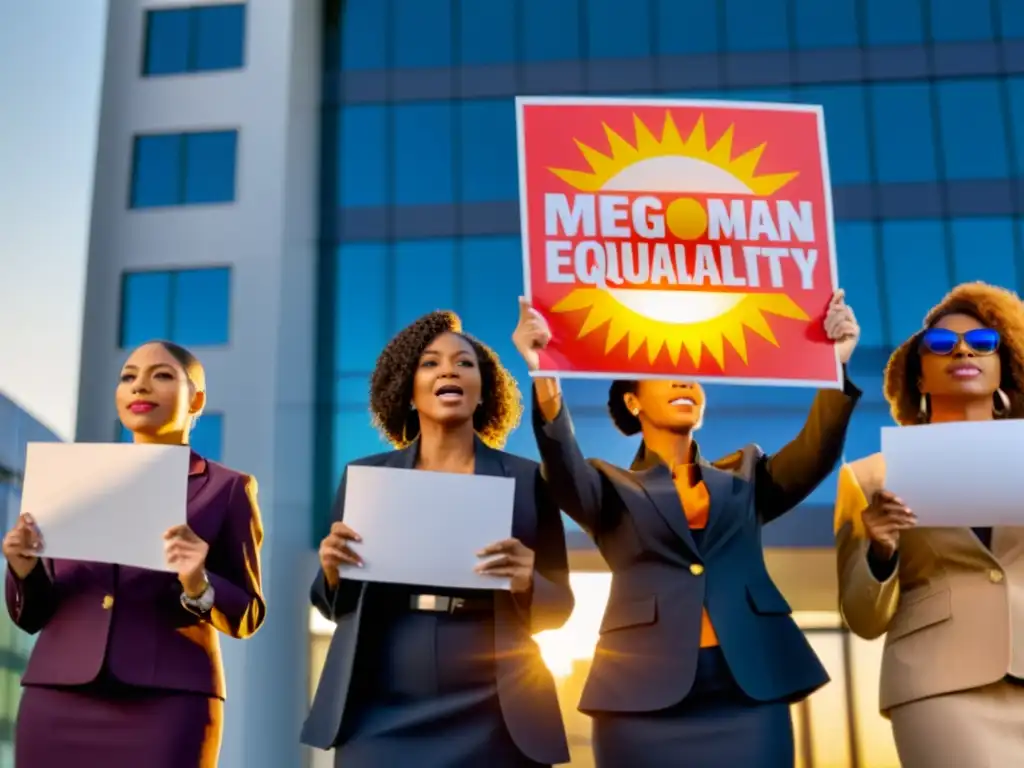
[{"x": 127, "y": 669}]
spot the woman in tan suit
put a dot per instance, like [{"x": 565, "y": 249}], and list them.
[{"x": 950, "y": 600}]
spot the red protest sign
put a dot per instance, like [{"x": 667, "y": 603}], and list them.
[{"x": 679, "y": 238}]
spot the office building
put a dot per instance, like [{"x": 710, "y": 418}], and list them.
[
  {"x": 283, "y": 184},
  {"x": 17, "y": 429}
]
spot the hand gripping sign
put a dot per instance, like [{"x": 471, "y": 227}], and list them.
[{"x": 679, "y": 238}]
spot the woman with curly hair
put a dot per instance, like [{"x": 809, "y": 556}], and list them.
[
  {"x": 698, "y": 658},
  {"x": 454, "y": 678},
  {"x": 949, "y": 600}
]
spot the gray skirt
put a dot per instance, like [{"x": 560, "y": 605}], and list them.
[{"x": 427, "y": 697}]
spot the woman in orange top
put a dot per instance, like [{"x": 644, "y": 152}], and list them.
[{"x": 698, "y": 658}]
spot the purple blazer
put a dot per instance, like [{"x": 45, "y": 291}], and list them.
[{"x": 129, "y": 623}]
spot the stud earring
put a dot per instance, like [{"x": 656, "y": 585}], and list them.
[
  {"x": 922, "y": 408},
  {"x": 636, "y": 411}
]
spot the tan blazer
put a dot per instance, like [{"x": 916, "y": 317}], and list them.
[{"x": 952, "y": 612}]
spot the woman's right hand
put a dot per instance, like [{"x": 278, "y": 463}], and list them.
[
  {"x": 335, "y": 552},
  {"x": 884, "y": 518},
  {"x": 531, "y": 335},
  {"x": 21, "y": 545}
]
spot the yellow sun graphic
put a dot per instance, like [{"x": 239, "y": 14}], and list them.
[{"x": 670, "y": 319}]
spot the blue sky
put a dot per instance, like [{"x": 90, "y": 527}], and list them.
[{"x": 51, "y": 60}]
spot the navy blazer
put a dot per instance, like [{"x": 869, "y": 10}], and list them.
[
  {"x": 526, "y": 689},
  {"x": 646, "y": 656}
]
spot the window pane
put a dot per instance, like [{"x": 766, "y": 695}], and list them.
[
  {"x": 690, "y": 27},
  {"x": 207, "y": 437},
  {"x": 210, "y": 167},
  {"x": 551, "y": 30},
  {"x": 145, "y": 307},
  {"x": 782, "y": 94},
  {"x": 220, "y": 37},
  {"x": 973, "y": 136},
  {"x": 874, "y": 732},
  {"x": 984, "y": 249},
  {"x": 858, "y": 276},
  {"x": 825, "y": 24},
  {"x": 487, "y": 31},
  {"x": 201, "y": 309},
  {"x": 952, "y": 21},
  {"x": 424, "y": 277},
  {"x": 618, "y": 32},
  {"x": 156, "y": 175},
  {"x": 756, "y": 25},
  {"x": 423, "y": 154},
  {"x": 487, "y": 143},
  {"x": 167, "y": 42},
  {"x": 363, "y": 157},
  {"x": 1011, "y": 19},
  {"x": 891, "y": 22},
  {"x": 903, "y": 132},
  {"x": 354, "y": 438},
  {"x": 914, "y": 257},
  {"x": 491, "y": 272},
  {"x": 830, "y": 720},
  {"x": 846, "y": 130},
  {"x": 364, "y": 32},
  {"x": 361, "y": 325},
  {"x": 1015, "y": 89},
  {"x": 422, "y": 33}
]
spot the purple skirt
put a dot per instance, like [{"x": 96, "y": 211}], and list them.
[{"x": 92, "y": 727}]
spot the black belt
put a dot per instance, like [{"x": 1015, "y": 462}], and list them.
[{"x": 452, "y": 605}]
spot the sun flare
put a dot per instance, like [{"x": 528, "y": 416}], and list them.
[{"x": 675, "y": 320}]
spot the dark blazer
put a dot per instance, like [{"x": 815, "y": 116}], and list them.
[
  {"x": 526, "y": 689},
  {"x": 646, "y": 655},
  {"x": 129, "y": 622}
]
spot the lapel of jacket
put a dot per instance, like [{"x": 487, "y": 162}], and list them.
[
  {"x": 657, "y": 482},
  {"x": 722, "y": 520},
  {"x": 198, "y": 475}
]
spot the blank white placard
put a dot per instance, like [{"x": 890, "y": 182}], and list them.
[
  {"x": 425, "y": 528},
  {"x": 964, "y": 473},
  {"x": 106, "y": 502}
]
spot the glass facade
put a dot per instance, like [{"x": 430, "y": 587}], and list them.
[
  {"x": 924, "y": 107},
  {"x": 191, "y": 307},
  {"x": 206, "y": 38}
]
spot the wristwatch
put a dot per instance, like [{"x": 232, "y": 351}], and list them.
[{"x": 202, "y": 604}]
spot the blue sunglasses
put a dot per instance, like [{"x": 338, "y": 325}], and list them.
[{"x": 941, "y": 341}]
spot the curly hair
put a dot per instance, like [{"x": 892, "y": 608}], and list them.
[
  {"x": 996, "y": 308},
  {"x": 391, "y": 384},
  {"x": 624, "y": 421}
]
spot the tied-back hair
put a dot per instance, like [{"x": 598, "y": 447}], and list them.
[
  {"x": 391, "y": 384},
  {"x": 624, "y": 421},
  {"x": 995, "y": 308},
  {"x": 194, "y": 371}
]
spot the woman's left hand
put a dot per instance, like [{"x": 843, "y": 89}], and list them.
[
  {"x": 841, "y": 326},
  {"x": 514, "y": 561},
  {"x": 186, "y": 554}
]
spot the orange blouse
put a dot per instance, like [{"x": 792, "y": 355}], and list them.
[{"x": 695, "y": 500}]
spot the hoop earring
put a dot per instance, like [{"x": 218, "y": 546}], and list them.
[
  {"x": 1002, "y": 410},
  {"x": 922, "y": 408}
]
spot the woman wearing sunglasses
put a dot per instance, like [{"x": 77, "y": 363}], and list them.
[{"x": 950, "y": 600}]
